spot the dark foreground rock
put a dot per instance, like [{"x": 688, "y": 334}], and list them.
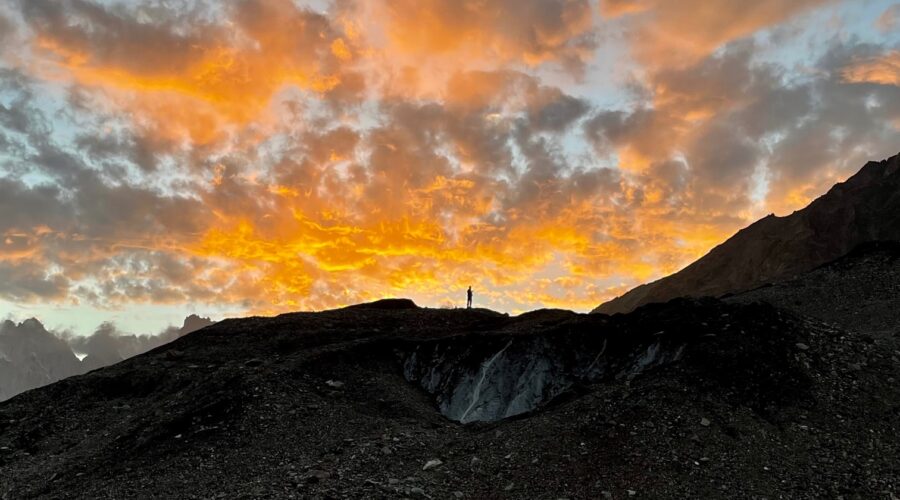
[
  {"x": 859, "y": 292},
  {"x": 736, "y": 401}
]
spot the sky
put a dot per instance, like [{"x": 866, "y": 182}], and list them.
[{"x": 242, "y": 157}]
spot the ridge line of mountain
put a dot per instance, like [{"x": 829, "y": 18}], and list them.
[{"x": 865, "y": 207}]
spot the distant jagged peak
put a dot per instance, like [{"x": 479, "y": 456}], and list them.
[
  {"x": 195, "y": 322},
  {"x": 32, "y": 323},
  {"x": 30, "y": 326},
  {"x": 30, "y": 343}
]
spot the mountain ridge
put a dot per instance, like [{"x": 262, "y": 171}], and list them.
[{"x": 865, "y": 207}]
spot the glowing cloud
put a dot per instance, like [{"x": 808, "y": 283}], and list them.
[
  {"x": 266, "y": 155},
  {"x": 883, "y": 70}
]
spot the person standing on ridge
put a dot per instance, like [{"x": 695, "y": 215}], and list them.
[{"x": 469, "y": 298}]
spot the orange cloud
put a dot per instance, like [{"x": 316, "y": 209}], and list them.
[
  {"x": 218, "y": 74},
  {"x": 678, "y": 33},
  {"x": 413, "y": 48},
  {"x": 531, "y": 32},
  {"x": 883, "y": 70}
]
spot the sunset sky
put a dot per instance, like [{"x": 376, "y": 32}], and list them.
[{"x": 243, "y": 157}]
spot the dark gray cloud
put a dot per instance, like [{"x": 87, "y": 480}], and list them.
[
  {"x": 848, "y": 124},
  {"x": 117, "y": 37},
  {"x": 21, "y": 115},
  {"x": 30, "y": 281},
  {"x": 723, "y": 156},
  {"x": 648, "y": 131},
  {"x": 553, "y": 110},
  {"x": 119, "y": 149},
  {"x": 25, "y": 207},
  {"x": 80, "y": 207},
  {"x": 7, "y": 29}
]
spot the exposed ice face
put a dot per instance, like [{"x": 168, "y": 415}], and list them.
[
  {"x": 482, "y": 390},
  {"x": 477, "y": 378}
]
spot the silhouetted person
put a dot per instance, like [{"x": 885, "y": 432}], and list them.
[{"x": 469, "y": 298}]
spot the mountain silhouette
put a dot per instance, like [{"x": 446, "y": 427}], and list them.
[
  {"x": 864, "y": 208},
  {"x": 31, "y": 356}
]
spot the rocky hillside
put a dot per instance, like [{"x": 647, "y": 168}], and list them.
[
  {"x": 690, "y": 399},
  {"x": 860, "y": 291},
  {"x": 864, "y": 208}
]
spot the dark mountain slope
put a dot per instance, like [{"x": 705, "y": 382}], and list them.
[
  {"x": 864, "y": 208},
  {"x": 687, "y": 399}
]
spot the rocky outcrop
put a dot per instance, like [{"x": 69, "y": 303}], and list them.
[
  {"x": 386, "y": 304},
  {"x": 864, "y": 208},
  {"x": 193, "y": 323}
]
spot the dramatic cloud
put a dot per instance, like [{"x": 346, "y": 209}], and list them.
[
  {"x": 259, "y": 156},
  {"x": 180, "y": 73}
]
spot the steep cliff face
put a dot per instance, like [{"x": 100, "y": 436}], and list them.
[
  {"x": 488, "y": 379},
  {"x": 864, "y": 208}
]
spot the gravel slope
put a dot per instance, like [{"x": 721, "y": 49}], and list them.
[{"x": 762, "y": 404}]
